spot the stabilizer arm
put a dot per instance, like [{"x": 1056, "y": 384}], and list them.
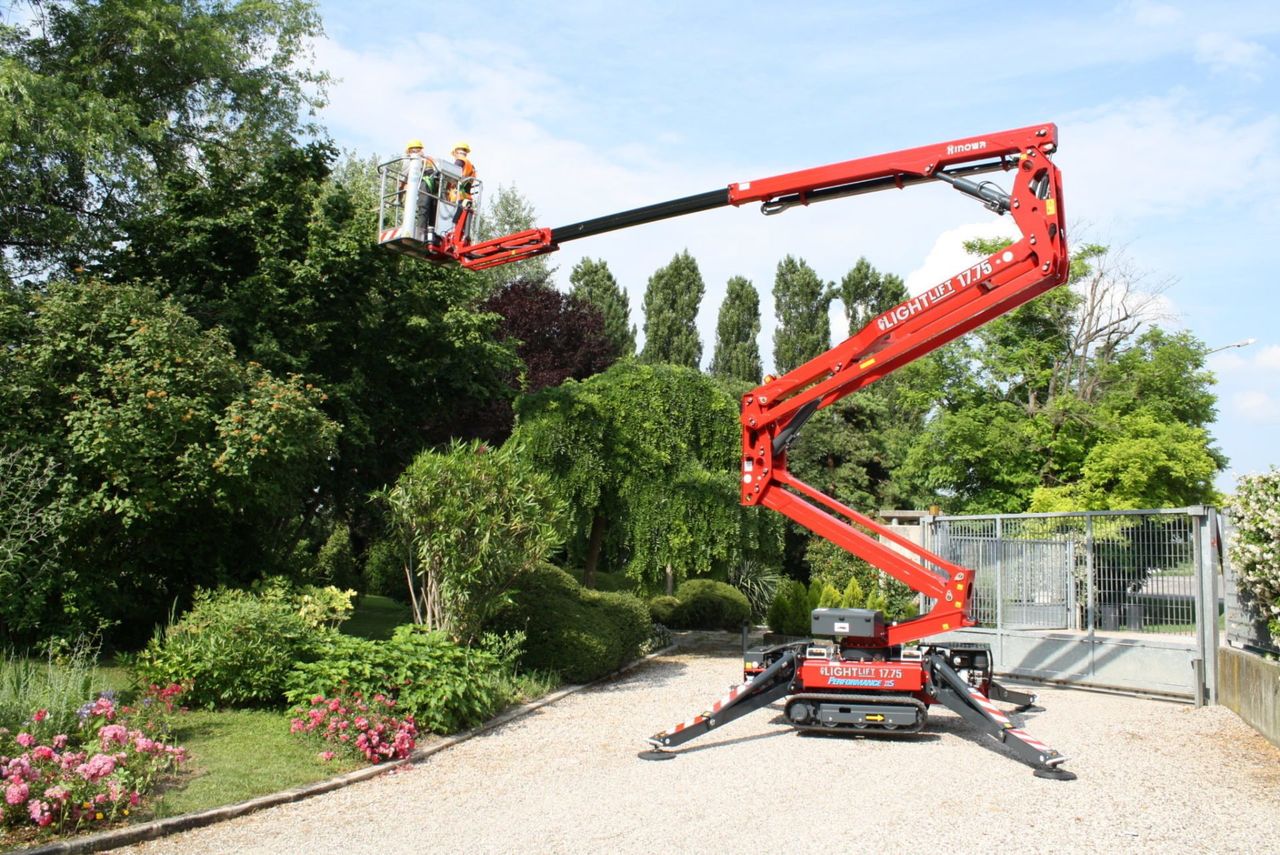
[
  {"x": 769, "y": 685},
  {"x": 964, "y": 700}
]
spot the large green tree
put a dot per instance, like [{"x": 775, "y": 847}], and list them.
[
  {"x": 854, "y": 449},
  {"x": 591, "y": 281},
  {"x": 801, "y": 300},
  {"x": 281, "y": 255},
  {"x": 179, "y": 464},
  {"x": 103, "y": 100},
  {"x": 1074, "y": 401},
  {"x": 671, "y": 303},
  {"x": 866, "y": 293},
  {"x": 737, "y": 355},
  {"x": 646, "y": 457}
]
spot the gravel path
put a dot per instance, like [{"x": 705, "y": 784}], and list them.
[{"x": 1153, "y": 776}]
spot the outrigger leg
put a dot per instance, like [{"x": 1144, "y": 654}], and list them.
[
  {"x": 976, "y": 708},
  {"x": 766, "y": 687}
]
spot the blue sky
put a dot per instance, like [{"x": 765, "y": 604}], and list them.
[{"x": 1168, "y": 114}]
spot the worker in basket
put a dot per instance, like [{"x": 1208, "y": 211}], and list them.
[
  {"x": 461, "y": 196},
  {"x": 426, "y": 196}
]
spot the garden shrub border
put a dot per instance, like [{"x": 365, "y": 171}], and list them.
[{"x": 155, "y": 829}]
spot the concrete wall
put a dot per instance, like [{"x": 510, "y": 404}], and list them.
[{"x": 1250, "y": 686}]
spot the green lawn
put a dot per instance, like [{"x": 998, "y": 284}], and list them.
[
  {"x": 376, "y": 617},
  {"x": 234, "y": 755},
  {"x": 239, "y": 754}
]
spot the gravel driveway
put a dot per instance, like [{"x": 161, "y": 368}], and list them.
[{"x": 1153, "y": 776}]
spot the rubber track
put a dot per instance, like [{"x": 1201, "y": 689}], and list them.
[{"x": 882, "y": 700}]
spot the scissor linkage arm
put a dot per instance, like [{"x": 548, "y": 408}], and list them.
[{"x": 1004, "y": 280}]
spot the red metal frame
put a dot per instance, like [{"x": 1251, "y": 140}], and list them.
[{"x": 1003, "y": 281}]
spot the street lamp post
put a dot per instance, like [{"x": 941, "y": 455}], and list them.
[{"x": 1242, "y": 343}]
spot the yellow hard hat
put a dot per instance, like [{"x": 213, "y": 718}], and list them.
[
  {"x": 413, "y": 144},
  {"x": 464, "y": 146}
]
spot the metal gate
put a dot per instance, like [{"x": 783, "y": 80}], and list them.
[{"x": 1114, "y": 599}]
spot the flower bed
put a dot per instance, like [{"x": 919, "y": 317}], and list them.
[
  {"x": 92, "y": 776},
  {"x": 357, "y": 728}
]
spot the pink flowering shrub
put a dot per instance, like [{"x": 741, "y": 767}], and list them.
[
  {"x": 99, "y": 773},
  {"x": 356, "y": 728}
]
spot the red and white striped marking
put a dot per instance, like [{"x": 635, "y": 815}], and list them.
[
  {"x": 715, "y": 708},
  {"x": 1031, "y": 740},
  {"x": 995, "y": 712},
  {"x": 990, "y": 708}
]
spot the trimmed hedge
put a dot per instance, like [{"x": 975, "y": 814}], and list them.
[
  {"x": 579, "y": 633},
  {"x": 708, "y": 604},
  {"x": 662, "y": 609}
]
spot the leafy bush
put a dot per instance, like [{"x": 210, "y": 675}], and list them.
[
  {"x": 1255, "y": 544},
  {"x": 474, "y": 520},
  {"x": 661, "y": 609},
  {"x": 444, "y": 686},
  {"x": 335, "y": 564},
  {"x": 611, "y": 582},
  {"x": 830, "y": 598},
  {"x": 578, "y": 633},
  {"x": 853, "y": 597},
  {"x": 236, "y": 647},
  {"x": 789, "y": 614},
  {"x": 835, "y": 566},
  {"x": 708, "y": 604},
  {"x": 659, "y": 638},
  {"x": 384, "y": 564}
]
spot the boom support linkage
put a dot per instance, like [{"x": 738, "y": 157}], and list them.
[{"x": 892, "y": 689}]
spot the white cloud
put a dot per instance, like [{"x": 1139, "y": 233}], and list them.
[
  {"x": 1257, "y": 406},
  {"x": 1166, "y": 157},
  {"x": 948, "y": 257},
  {"x": 1149, "y": 14},
  {"x": 1268, "y": 359},
  {"x": 1225, "y": 53}
]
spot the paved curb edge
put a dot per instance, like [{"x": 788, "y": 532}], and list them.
[{"x": 107, "y": 840}]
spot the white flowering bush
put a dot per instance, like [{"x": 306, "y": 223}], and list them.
[{"x": 1255, "y": 546}]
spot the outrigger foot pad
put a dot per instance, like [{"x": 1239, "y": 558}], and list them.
[
  {"x": 657, "y": 755},
  {"x": 1054, "y": 774}
]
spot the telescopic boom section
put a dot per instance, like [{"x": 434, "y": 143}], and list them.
[{"x": 773, "y": 413}]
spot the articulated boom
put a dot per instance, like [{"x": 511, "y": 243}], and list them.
[
  {"x": 865, "y": 682},
  {"x": 773, "y": 413}
]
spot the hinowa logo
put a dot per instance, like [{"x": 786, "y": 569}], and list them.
[{"x": 963, "y": 147}]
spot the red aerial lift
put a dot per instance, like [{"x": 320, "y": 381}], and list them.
[{"x": 864, "y": 680}]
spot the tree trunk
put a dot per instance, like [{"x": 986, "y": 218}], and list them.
[
  {"x": 671, "y": 581},
  {"x": 594, "y": 543}
]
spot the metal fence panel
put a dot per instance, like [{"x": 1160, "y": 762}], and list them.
[{"x": 1132, "y": 572}]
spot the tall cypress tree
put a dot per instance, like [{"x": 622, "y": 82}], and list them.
[
  {"x": 737, "y": 355},
  {"x": 866, "y": 292},
  {"x": 592, "y": 282},
  {"x": 670, "y": 310},
  {"x": 801, "y": 301}
]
